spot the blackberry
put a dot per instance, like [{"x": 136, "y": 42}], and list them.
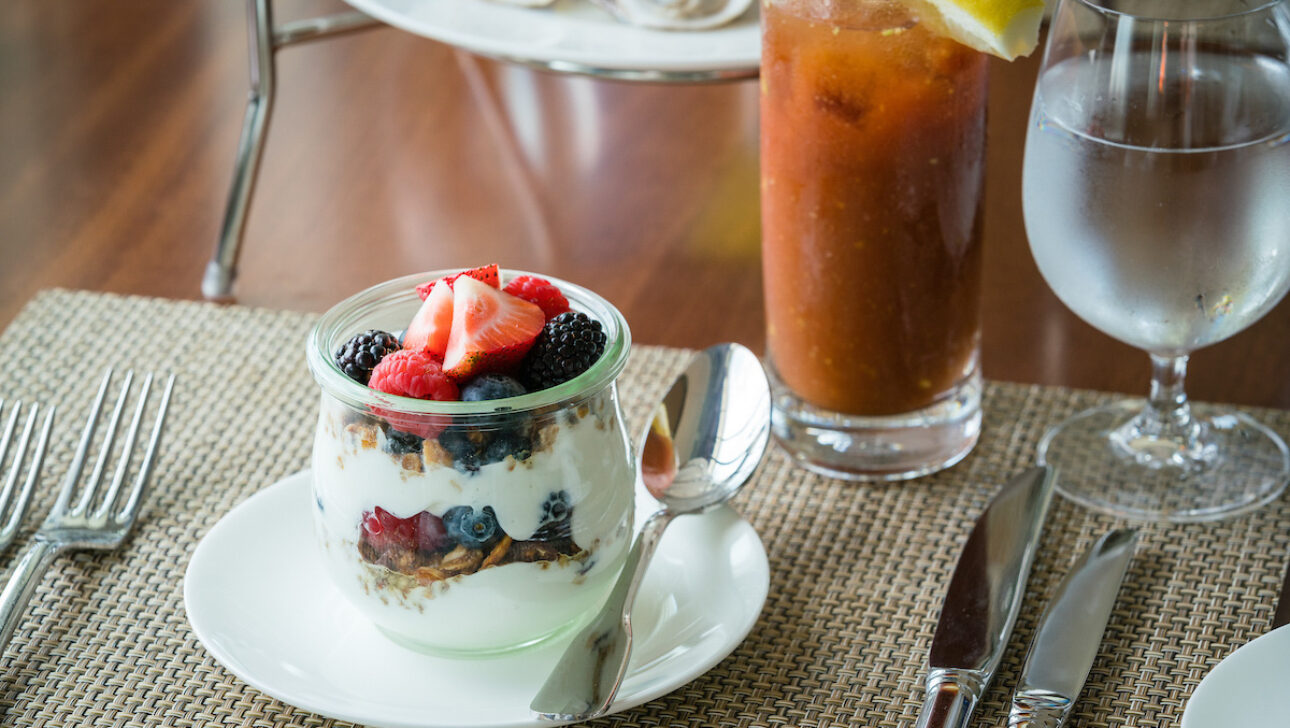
[
  {"x": 554, "y": 522},
  {"x": 567, "y": 346},
  {"x": 360, "y": 355}
]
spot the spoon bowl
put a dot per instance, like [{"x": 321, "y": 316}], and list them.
[{"x": 709, "y": 432}]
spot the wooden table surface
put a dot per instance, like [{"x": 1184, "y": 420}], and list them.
[{"x": 389, "y": 153}]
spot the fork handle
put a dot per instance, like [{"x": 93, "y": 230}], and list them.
[{"x": 23, "y": 580}]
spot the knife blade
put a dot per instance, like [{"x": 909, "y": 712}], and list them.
[
  {"x": 983, "y": 599},
  {"x": 1070, "y": 632}
]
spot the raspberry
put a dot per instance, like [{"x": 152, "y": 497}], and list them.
[
  {"x": 568, "y": 345},
  {"x": 384, "y": 531},
  {"x": 539, "y": 291},
  {"x": 431, "y": 534},
  {"x": 412, "y": 373}
]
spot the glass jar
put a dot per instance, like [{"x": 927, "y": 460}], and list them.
[{"x": 470, "y": 528}]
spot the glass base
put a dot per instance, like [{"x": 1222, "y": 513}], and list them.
[
  {"x": 887, "y": 448},
  {"x": 468, "y": 653},
  {"x": 1235, "y": 466}
]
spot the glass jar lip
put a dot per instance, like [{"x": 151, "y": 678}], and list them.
[
  {"x": 1100, "y": 6},
  {"x": 347, "y": 316}
]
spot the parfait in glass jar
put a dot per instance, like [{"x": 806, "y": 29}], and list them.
[{"x": 473, "y": 479}]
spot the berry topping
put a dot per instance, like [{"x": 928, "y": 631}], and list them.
[
  {"x": 484, "y": 274},
  {"x": 358, "y": 356},
  {"x": 568, "y": 345},
  {"x": 471, "y": 528},
  {"x": 539, "y": 291},
  {"x": 430, "y": 326},
  {"x": 411, "y": 373},
  {"x": 491, "y": 329},
  {"x": 491, "y": 386}
]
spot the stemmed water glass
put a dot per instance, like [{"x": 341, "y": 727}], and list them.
[{"x": 1156, "y": 193}]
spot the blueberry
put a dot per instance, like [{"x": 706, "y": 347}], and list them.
[
  {"x": 401, "y": 443},
  {"x": 465, "y": 445},
  {"x": 513, "y": 442},
  {"x": 473, "y": 448},
  {"x": 491, "y": 386},
  {"x": 470, "y": 528}
]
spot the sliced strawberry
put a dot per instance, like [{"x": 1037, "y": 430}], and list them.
[
  {"x": 484, "y": 273},
  {"x": 429, "y": 328},
  {"x": 491, "y": 330}
]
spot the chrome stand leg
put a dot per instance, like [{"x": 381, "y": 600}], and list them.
[{"x": 217, "y": 284}]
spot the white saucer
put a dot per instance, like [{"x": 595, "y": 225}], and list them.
[
  {"x": 575, "y": 35},
  {"x": 1248, "y": 688},
  {"x": 259, "y": 600}
]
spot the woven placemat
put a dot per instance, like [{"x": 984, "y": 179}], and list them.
[{"x": 857, "y": 572}]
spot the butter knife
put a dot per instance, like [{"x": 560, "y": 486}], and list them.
[
  {"x": 1070, "y": 632},
  {"x": 983, "y": 599}
]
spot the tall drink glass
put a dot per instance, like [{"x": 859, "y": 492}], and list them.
[{"x": 873, "y": 156}]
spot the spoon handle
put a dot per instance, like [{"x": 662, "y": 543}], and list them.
[{"x": 583, "y": 684}]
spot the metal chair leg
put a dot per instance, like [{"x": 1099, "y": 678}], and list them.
[
  {"x": 222, "y": 270},
  {"x": 265, "y": 40}
]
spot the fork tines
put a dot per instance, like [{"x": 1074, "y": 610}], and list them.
[
  {"x": 8, "y": 504},
  {"x": 125, "y": 514}
]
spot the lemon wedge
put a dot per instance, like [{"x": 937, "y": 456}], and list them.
[{"x": 1005, "y": 28}]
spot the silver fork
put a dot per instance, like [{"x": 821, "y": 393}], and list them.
[
  {"x": 72, "y": 525},
  {"x": 17, "y": 508}
]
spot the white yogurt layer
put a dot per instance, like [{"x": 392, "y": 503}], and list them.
[{"x": 497, "y": 607}]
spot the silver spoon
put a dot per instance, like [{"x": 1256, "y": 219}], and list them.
[{"x": 707, "y": 436}]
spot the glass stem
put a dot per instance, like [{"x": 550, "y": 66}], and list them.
[
  {"x": 1164, "y": 433},
  {"x": 1167, "y": 404}
]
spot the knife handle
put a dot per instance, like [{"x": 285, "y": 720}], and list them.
[
  {"x": 1038, "y": 709},
  {"x": 952, "y": 695}
]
